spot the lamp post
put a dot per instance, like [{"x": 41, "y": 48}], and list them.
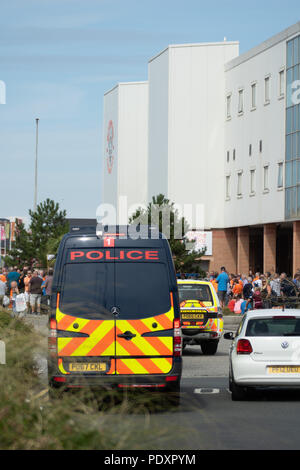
[{"x": 36, "y": 165}]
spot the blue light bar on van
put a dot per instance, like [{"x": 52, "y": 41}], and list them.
[{"x": 133, "y": 231}]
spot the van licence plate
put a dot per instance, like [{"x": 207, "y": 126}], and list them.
[
  {"x": 284, "y": 370},
  {"x": 87, "y": 367}
]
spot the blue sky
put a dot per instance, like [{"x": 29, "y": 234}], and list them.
[{"x": 58, "y": 57}]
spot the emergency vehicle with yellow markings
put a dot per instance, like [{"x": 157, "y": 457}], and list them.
[
  {"x": 115, "y": 315},
  {"x": 201, "y": 315}
]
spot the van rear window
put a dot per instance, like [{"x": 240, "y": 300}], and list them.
[
  {"x": 142, "y": 289},
  {"x": 87, "y": 290}
]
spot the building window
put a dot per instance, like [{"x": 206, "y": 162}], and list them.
[
  {"x": 228, "y": 156},
  {"x": 252, "y": 182},
  {"x": 267, "y": 90},
  {"x": 260, "y": 146},
  {"x": 239, "y": 184},
  {"x": 281, "y": 83},
  {"x": 241, "y": 102},
  {"x": 280, "y": 175},
  {"x": 233, "y": 157},
  {"x": 291, "y": 170},
  {"x": 250, "y": 150},
  {"x": 228, "y": 187},
  {"x": 228, "y": 106},
  {"x": 253, "y": 96},
  {"x": 266, "y": 178}
]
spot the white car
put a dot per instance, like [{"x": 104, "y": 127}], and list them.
[{"x": 265, "y": 352}]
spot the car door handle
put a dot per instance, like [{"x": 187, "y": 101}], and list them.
[{"x": 127, "y": 335}]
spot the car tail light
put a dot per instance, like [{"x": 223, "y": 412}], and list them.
[
  {"x": 220, "y": 312},
  {"x": 52, "y": 338},
  {"x": 244, "y": 347},
  {"x": 177, "y": 339}
]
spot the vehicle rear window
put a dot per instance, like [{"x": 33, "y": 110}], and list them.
[
  {"x": 199, "y": 292},
  {"x": 142, "y": 289},
  {"x": 87, "y": 290},
  {"x": 273, "y": 327}
]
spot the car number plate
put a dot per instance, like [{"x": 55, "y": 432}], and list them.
[
  {"x": 284, "y": 370},
  {"x": 192, "y": 316},
  {"x": 87, "y": 367}
]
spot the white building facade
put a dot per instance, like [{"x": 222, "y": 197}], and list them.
[
  {"x": 125, "y": 150},
  {"x": 222, "y": 130}
]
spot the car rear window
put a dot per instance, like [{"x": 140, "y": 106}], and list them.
[
  {"x": 199, "y": 292},
  {"x": 142, "y": 289},
  {"x": 273, "y": 327}
]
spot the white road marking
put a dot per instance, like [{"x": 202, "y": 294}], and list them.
[{"x": 207, "y": 391}]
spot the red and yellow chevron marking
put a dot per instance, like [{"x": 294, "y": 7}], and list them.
[
  {"x": 145, "y": 346},
  {"x": 99, "y": 343},
  {"x": 144, "y": 366},
  {"x": 112, "y": 369},
  {"x": 61, "y": 367}
]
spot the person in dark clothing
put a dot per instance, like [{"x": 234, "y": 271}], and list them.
[
  {"x": 48, "y": 285},
  {"x": 248, "y": 289},
  {"x": 21, "y": 281},
  {"x": 35, "y": 290},
  {"x": 287, "y": 288}
]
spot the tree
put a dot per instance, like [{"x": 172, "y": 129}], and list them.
[
  {"x": 47, "y": 226},
  {"x": 47, "y": 222},
  {"x": 163, "y": 213},
  {"x": 23, "y": 250}
]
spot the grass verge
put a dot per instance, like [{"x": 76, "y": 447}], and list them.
[{"x": 81, "y": 420}]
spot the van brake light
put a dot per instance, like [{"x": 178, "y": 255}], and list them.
[
  {"x": 177, "y": 339},
  {"x": 52, "y": 338}
]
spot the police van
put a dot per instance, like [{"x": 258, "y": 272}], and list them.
[{"x": 115, "y": 315}]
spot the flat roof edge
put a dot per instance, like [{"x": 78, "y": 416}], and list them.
[
  {"x": 262, "y": 47},
  {"x": 145, "y": 82},
  {"x": 196, "y": 44}
]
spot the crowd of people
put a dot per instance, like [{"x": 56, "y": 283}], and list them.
[
  {"x": 241, "y": 292},
  {"x": 34, "y": 284}
]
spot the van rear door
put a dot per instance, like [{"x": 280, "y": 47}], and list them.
[
  {"x": 144, "y": 326},
  {"x": 85, "y": 323}
]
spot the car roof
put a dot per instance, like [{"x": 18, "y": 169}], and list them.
[
  {"x": 193, "y": 281},
  {"x": 269, "y": 312}
]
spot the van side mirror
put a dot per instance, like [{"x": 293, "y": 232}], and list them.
[{"x": 229, "y": 336}]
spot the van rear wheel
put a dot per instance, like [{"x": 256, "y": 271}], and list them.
[{"x": 209, "y": 348}]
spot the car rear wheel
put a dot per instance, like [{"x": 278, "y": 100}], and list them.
[{"x": 209, "y": 348}]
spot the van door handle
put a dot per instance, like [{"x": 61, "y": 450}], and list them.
[{"x": 127, "y": 335}]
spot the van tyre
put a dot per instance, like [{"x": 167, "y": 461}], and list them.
[{"x": 209, "y": 348}]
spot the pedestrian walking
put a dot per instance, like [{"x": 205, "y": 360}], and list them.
[
  {"x": 35, "y": 289},
  {"x": 222, "y": 281},
  {"x": 48, "y": 285}
]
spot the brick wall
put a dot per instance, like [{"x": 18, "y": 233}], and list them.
[
  {"x": 270, "y": 231},
  {"x": 224, "y": 250},
  {"x": 296, "y": 246},
  {"x": 243, "y": 250}
]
